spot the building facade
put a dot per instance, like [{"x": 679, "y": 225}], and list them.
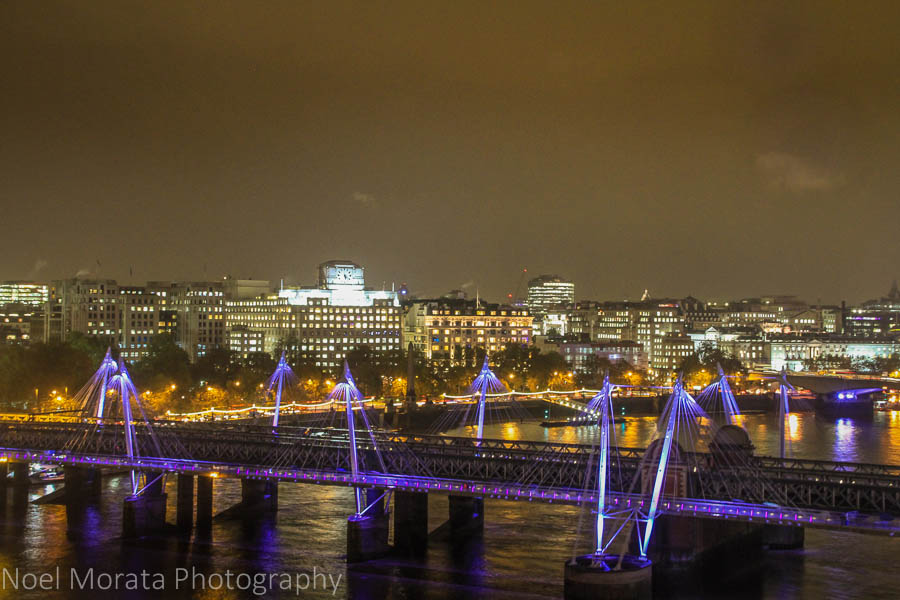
[
  {"x": 794, "y": 352},
  {"x": 875, "y": 317},
  {"x": 129, "y": 316},
  {"x": 578, "y": 353},
  {"x": 547, "y": 292},
  {"x": 449, "y": 329},
  {"x": 322, "y": 324},
  {"x": 26, "y": 293}
]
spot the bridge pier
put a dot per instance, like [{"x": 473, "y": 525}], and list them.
[
  {"x": 20, "y": 474},
  {"x": 82, "y": 483},
  {"x": 204, "y": 502},
  {"x": 184, "y": 502},
  {"x": 4, "y": 471},
  {"x": 367, "y": 535},
  {"x": 259, "y": 495},
  {"x": 589, "y": 577},
  {"x": 687, "y": 550},
  {"x": 146, "y": 513},
  {"x": 410, "y": 523},
  {"x": 783, "y": 537},
  {"x": 466, "y": 516}
]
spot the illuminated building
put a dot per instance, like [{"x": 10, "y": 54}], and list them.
[
  {"x": 20, "y": 324},
  {"x": 130, "y": 316},
  {"x": 245, "y": 289},
  {"x": 555, "y": 323},
  {"x": 646, "y": 322},
  {"x": 26, "y": 293},
  {"x": 671, "y": 350},
  {"x": 578, "y": 352},
  {"x": 875, "y": 317},
  {"x": 197, "y": 308},
  {"x": 139, "y": 321},
  {"x": 547, "y": 292},
  {"x": 447, "y": 328},
  {"x": 88, "y": 306},
  {"x": 243, "y": 341},
  {"x": 659, "y": 329},
  {"x": 615, "y": 321},
  {"x": 792, "y": 352},
  {"x": 322, "y": 324},
  {"x": 582, "y": 318}
]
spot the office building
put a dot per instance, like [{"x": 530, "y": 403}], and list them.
[
  {"x": 547, "y": 292},
  {"x": 323, "y": 323}
]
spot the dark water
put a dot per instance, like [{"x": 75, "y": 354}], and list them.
[{"x": 521, "y": 556}]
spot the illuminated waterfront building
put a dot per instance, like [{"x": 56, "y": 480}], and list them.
[
  {"x": 322, "y": 324},
  {"x": 446, "y": 328},
  {"x": 795, "y": 352}
]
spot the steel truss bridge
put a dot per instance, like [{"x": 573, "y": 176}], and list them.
[{"x": 808, "y": 493}]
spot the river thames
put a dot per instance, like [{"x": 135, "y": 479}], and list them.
[{"x": 520, "y": 556}]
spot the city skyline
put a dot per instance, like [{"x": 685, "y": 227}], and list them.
[
  {"x": 445, "y": 146},
  {"x": 470, "y": 289}
]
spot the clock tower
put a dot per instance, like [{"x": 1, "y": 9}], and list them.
[{"x": 341, "y": 274}]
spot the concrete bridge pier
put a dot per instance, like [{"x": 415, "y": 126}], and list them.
[
  {"x": 410, "y": 523},
  {"x": 204, "y": 503},
  {"x": 20, "y": 474},
  {"x": 259, "y": 495},
  {"x": 688, "y": 551},
  {"x": 783, "y": 537},
  {"x": 589, "y": 577},
  {"x": 4, "y": 471},
  {"x": 367, "y": 535},
  {"x": 184, "y": 502},
  {"x": 466, "y": 516},
  {"x": 146, "y": 513},
  {"x": 82, "y": 483}
]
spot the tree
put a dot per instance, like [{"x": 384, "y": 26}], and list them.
[
  {"x": 824, "y": 362},
  {"x": 701, "y": 366},
  {"x": 544, "y": 367},
  {"x": 165, "y": 365},
  {"x": 216, "y": 366},
  {"x": 366, "y": 370}
]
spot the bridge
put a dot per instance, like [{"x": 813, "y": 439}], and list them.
[
  {"x": 818, "y": 493},
  {"x": 696, "y": 471}
]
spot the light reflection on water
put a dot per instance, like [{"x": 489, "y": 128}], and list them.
[
  {"x": 876, "y": 440},
  {"x": 521, "y": 556}
]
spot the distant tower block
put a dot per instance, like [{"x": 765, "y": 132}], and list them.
[{"x": 547, "y": 292}]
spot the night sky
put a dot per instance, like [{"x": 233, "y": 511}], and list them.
[{"x": 716, "y": 149}]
